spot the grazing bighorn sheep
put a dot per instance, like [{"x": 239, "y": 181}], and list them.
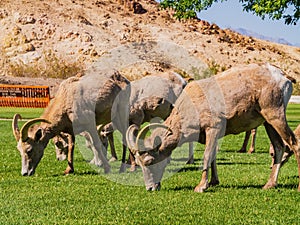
[
  {"x": 106, "y": 136},
  {"x": 232, "y": 102},
  {"x": 80, "y": 104},
  {"x": 150, "y": 97}
]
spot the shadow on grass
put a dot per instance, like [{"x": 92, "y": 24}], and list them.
[
  {"x": 234, "y": 151},
  {"x": 215, "y": 188},
  {"x": 239, "y": 163},
  {"x": 79, "y": 173},
  {"x": 239, "y": 187}
]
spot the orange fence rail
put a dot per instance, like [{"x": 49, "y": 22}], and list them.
[{"x": 24, "y": 96}]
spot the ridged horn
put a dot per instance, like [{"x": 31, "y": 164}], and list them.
[
  {"x": 130, "y": 138},
  {"x": 27, "y": 125},
  {"x": 15, "y": 127},
  {"x": 141, "y": 135},
  {"x": 100, "y": 128}
]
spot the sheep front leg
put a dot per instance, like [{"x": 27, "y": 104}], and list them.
[
  {"x": 71, "y": 142},
  {"x": 209, "y": 156}
]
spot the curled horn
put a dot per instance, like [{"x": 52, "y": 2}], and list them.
[
  {"x": 130, "y": 137},
  {"x": 143, "y": 132},
  {"x": 100, "y": 128},
  {"x": 15, "y": 127},
  {"x": 25, "y": 127}
]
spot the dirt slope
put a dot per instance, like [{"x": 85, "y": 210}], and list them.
[{"x": 135, "y": 38}]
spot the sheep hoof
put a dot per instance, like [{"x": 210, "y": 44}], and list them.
[
  {"x": 242, "y": 150},
  {"x": 155, "y": 187},
  {"x": 191, "y": 161},
  {"x": 214, "y": 183},
  {"x": 68, "y": 171},
  {"x": 107, "y": 169},
  {"x": 200, "y": 188},
  {"x": 132, "y": 168},
  {"x": 123, "y": 168},
  {"x": 251, "y": 150},
  {"x": 269, "y": 185},
  {"x": 113, "y": 159},
  {"x": 95, "y": 162}
]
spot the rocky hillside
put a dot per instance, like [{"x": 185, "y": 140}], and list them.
[{"x": 136, "y": 38}]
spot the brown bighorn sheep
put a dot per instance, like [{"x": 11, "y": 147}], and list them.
[
  {"x": 106, "y": 136},
  {"x": 232, "y": 102},
  {"x": 80, "y": 104},
  {"x": 150, "y": 97}
]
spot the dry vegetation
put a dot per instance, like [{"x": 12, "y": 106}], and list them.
[{"x": 60, "y": 38}]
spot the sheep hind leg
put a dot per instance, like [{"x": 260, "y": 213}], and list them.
[
  {"x": 253, "y": 139},
  {"x": 278, "y": 147},
  {"x": 245, "y": 143},
  {"x": 289, "y": 137}
]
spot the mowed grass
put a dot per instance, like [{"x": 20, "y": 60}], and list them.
[{"x": 90, "y": 197}]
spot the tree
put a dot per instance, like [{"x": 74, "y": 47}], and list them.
[{"x": 289, "y": 10}]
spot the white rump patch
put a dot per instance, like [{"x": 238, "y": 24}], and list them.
[
  {"x": 284, "y": 83},
  {"x": 276, "y": 73}
]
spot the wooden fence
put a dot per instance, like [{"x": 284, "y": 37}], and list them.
[{"x": 24, "y": 96}]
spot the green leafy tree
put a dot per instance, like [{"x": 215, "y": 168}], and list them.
[{"x": 289, "y": 10}]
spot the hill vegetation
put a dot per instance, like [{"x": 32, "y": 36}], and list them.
[{"x": 61, "y": 38}]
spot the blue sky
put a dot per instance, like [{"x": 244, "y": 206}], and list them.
[{"x": 229, "y": 14}]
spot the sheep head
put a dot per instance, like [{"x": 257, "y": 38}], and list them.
[
  {"x": 151, "y": 153},
  {"x": 30, "y": 143}
]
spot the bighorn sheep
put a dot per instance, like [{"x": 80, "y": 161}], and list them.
[
  {"x": 80, "y": 104},
  {"x": 106, "y": 136},
  {"x": 149, "y": 97},
  {"x": 234, "y": 101}
]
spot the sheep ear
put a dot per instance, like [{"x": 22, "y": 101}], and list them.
[{"x": 38, "y": 134}]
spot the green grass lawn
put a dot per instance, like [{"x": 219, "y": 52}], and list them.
[{"x": 90, "y": 197}]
